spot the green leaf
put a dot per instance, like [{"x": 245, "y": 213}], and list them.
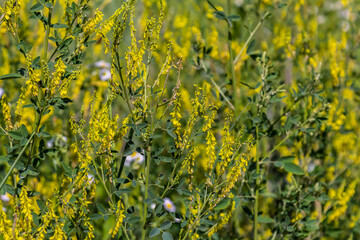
[
  {"x": 234, "y": 18},
  {"x": 220, "y": 15},
  {"x": 293, "y": 168},
  {"x": 124, "y": 190},
  {"x": 36, "y": 7},
  {"x": 59, "y": 25},
  {"x": 283, "y": 160},
  {"x": 15, "y": 135},
  {"x": 10, "y": 76},
  {"x": 279, "y": 164},
  {"x": 49, "y": 5},
  {"x": 133, "y": 220},
  {"x": 24, "y": 131},
  {"x": 96, "y": 216},
  {"x": 165, "y": 159},
  {"x": 30, "y": 171},
  {"x": 223, "y": 204},
  {"x": 154, "y": 232},
  {"x": 251, "y": 46},
  {"x": 68, "y": 169},
  {"x": 287, "y": 158},
  {"x": 265, "y": 219},
  {"x": 167, "y": 236},
  {"x": 166, "y": 225},
  {"x": 41, "y": 204},
  {"x": 171, "y": 133},
  {"x": 4, "y": 158}
]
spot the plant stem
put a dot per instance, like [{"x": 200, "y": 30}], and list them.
[
  {"x": 47, "y": 34},
  {"x": 66, "y": 35},
  {"x": 249, "y": 38},
  {"x": 16, "y": 161},
  {"x": 148, "y": 150},
  {"x": 256, "y": 207},
  {"x": 231, "y": 64},
  {"x": 219, "y": 89}
]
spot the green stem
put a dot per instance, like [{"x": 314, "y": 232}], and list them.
[
  {"x": 102, "y": 181},
  {"x": 66, "y": 35},
  {"x": 147, "y": 174},
  {"x": 249, "y": 38},
  {"x": 47, "y": 34},
  {"x": 198, "y": 216},
  {"x": 148, "y": 150},
  {"x": 256, "y": 207},
  {"x": 231, "y": 64},
  {"x": 62, "y": 197},
  {"x": 124, "y": 231},
  {"x": 16, "y": 161}
]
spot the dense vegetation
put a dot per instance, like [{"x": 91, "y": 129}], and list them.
[{"x": 191, "y": 119}]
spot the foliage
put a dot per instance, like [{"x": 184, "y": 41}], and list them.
[{"x": 179, "y": 119}]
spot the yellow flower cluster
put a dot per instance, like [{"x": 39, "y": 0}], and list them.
[
  {"x": 198, "y": 109},
  {"x": 134, "y": 55},
  {"x": 339, "y": 200},
  {"x": 226, "y": 151},
  {"x": 66, "y": 84},
  {"x": 108, "y": 24},
  {"x": 59, "y": 71},
  {"x": 103, "y": 128},
  {"x": 31, "y": 83},
  {"x": 210, "y": 140},
  {"x": 188, "y": 162},
  {"x": 90, "y": 25},
  {"x": 234, "y": 175},
  {"x": 11, "y": 8},
  {"x": 59, "y": 233},
  {"x": 119, "y": 218},
  {"x": 167, "y": 64},
  {"x": 6, "y": 112},
  {"x": 47, "y": 218},
  {"x": 90, "y": 229},
  {"x": 5, "y": 225},
  {"x": 176, "y": 118},
  {"x": 25, "y": 210},
  {"x": 152, "y": 30},
  {"x": 224, "y": 218},
  {"x": 195, "y": 211}
]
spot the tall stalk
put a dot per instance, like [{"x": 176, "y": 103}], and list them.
[
  {"x": 231, "y": 63},
  {"x": 256, "y": 207}
]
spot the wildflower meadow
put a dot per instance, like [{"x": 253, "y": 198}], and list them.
[{"x": 179, "y": 119}]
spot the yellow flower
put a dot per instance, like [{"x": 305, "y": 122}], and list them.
[
  {"x": 46, "y": 220},
  {"x": 90, "y": 24},
  {"x": 6, "y": 112},
  {"x": 5, "y": 225},
  {"x": 119, "y": 218},
  {"x": 25, "y": 210},
  {"x": 59, "y": 233},
  {"x": 180, "y": 21},
  {"x": 59, "y": 71}
]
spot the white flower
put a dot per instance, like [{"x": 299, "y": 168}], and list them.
[
  {"x": 239, "y": 3},
  {"x": 153, "y": 206},
  {"x": 104, "y": 74},
  {"x": 102, "y": 64},
  {"x": 4, "y": 198},
  {"x": 1, "y": 92},
  {"x": 311, "y": 167},
  {"x": 91, "y": 178},
  {"x": 134, "y": 157},
  {"x": 177, "y": 220},
  {"x": 169, "y": 205},
  {"x": 50, "y": 143}
]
